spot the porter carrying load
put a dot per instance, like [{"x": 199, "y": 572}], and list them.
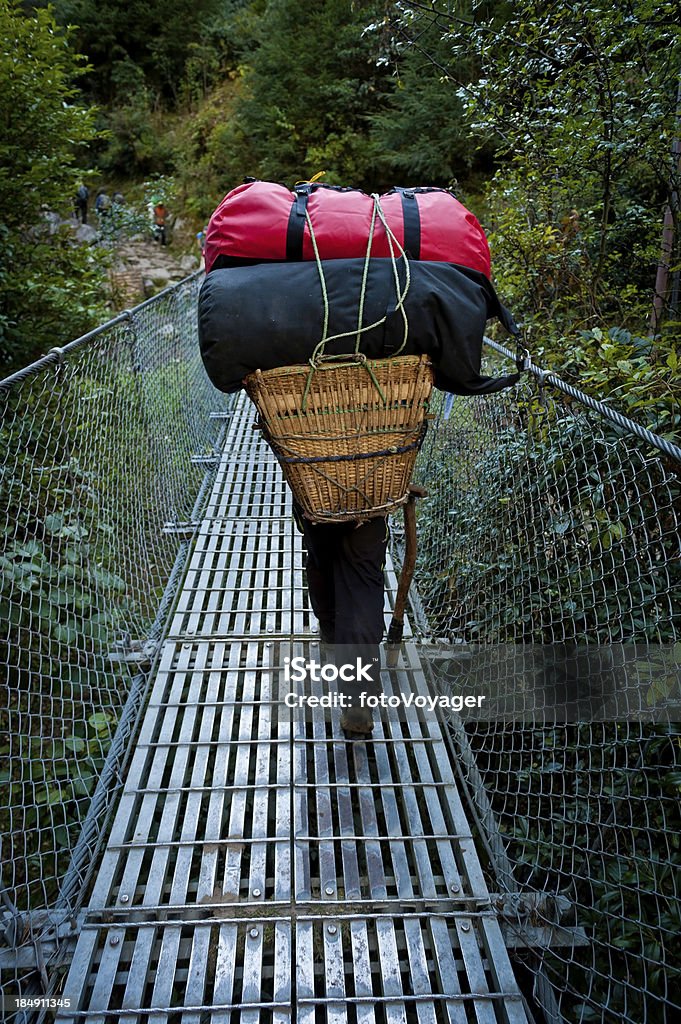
[{"x": 337, "y": 317}]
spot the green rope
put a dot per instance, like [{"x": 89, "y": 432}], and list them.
[
  {"x": 319, "y": 353},
  {"x": 362, "y": 360},
  {"x": 365, "y": 275},
  {"x": 306, "y": 389},
  {"x": 407, "y": 274},
  {"x": 325, "y": 298}
]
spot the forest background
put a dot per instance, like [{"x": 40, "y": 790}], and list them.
[{"x": 558, "y": 124}]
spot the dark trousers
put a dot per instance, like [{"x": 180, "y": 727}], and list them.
[{"x": 344, "y": 566}]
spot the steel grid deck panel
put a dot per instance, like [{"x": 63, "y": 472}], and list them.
[{"x": 260, "y": 867}]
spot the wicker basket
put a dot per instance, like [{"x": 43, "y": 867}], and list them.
[{"x": 346, "y": 433}]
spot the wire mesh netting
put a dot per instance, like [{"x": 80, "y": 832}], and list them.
[
  {"x": 545, "y": 524},
  {"x": 106, "y": 446},
  {"x": 549, "y": 525}
]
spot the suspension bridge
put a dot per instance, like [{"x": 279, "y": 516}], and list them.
[{"x": 180, "y": 845}]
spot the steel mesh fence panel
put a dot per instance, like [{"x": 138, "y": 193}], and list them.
[
  {"x": 545, "y": 524},
  {"x": 588, "y": 815},
  {"x": 105, "y": 446},
  {"x": 548, "y": 525}
]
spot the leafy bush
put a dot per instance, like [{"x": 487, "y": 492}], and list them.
[
  {"x": 306, "y": 88},
  {"x": 50, "y": 287},
  {"x": 637, "y": 375}
]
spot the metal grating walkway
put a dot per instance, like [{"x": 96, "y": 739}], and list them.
[{"x": 261, "y": 868}]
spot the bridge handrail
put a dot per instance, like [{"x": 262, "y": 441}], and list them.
[
  {"x": 57, "y": 354},
  {"x": 548, "y": 377}
]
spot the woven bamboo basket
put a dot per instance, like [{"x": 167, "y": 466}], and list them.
[{"x": 346, "y": 434}]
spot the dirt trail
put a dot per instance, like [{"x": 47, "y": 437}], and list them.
[{"x": 143, "y": 267}]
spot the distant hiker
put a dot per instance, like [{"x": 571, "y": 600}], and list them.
[
  {"x": 102, "y": 203},
  {"x": 159, "y": 216},
  {"x": 80, "y": 203},
  {"x": 117, "y": 213}
]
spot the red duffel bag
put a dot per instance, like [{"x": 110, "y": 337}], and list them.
[{"x": 261, "y": 221}]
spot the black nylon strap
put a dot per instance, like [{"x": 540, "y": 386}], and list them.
[
  {"x": 296, "y": 224},
  {"x": 412, "y": 223}
]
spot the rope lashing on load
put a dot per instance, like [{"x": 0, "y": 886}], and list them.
[{"x": 319, "y": 356}]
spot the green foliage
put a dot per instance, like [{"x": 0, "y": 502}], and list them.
[
  {"x": 43, "y": 125},
  {"x": 50, "y": 288},
  {"x": 154, "y": 35},
  {"x": 594, "y": 817},
  {"x": 202, "y": 144},
  {"x": 84, "y": 563},
  {"x": 582, "y": 101},
  {"x": 146, "y": 60},
  {"x": 48, "y": 789},
  {"x": 63, "y": 604},
  {"x": 54, "y": 550},
  {"x": 310, "y": 83},
  {"x": 160, "y": 188},
  {"x": 420, "y": 138},
  {"x": 420, "y": 134},
  {"x": 638, "y": 376},
  {"x": 135, "y": 136}
]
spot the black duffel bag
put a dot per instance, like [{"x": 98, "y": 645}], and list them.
[{"x": 273, "y": 314}]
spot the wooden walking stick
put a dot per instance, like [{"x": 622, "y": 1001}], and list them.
[{"x": 396, "y": 628}]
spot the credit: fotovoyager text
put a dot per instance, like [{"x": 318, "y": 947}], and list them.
[{"x": 451, "y": 702}]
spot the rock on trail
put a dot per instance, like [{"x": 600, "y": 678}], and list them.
[{"x": 143, "y": 268}]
